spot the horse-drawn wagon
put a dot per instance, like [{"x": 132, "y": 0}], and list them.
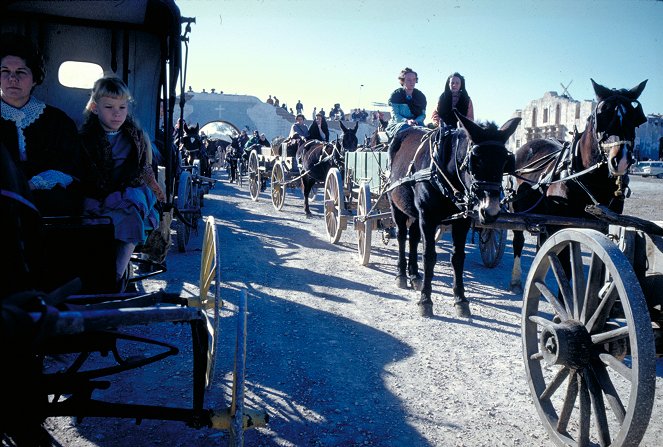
[
  {"x": 276, "y": 163},
  {"x": 141, "y": 43}
]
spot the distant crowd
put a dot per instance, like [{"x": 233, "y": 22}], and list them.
[{"x": 335, "y": 113}]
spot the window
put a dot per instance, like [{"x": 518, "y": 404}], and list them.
[
  {"x": 79, "y": 74},
  {"x": 545, "y": 115},
  {"x": 558, "y": 114},
  {"x": 578, "y": 111},
  {"x": 534, "y": 117}
]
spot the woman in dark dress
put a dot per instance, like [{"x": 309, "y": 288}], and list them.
[
  {"x": 319, "y": 130},
  {"x": 42, "y": 140},
  {"x": 454, "y": 97}
]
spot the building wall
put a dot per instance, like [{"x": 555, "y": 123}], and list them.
[
  {"x": 554, "y": 116},
  {"x": 250, "y": 113},
  {"x": 649, "y": 139},
  {"x": 551, "y": 116}
]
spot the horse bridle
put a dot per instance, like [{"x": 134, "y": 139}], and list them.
[{"x": 601, "y": 137}]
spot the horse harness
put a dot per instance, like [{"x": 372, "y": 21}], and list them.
[
  {"x": 435, "y": 175},
  {"x": 563, "y": 169}
]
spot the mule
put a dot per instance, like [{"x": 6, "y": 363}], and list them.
[
  {"x": 233, "y": 153},
  {"x": 591, "y": 169},
  {"x": 435, "y": 175},
  {"x": 192, "y": 148},
  {"x": 316, "y": 158}
]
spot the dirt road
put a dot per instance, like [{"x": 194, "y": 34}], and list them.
[{"x": 338, "y": 355}]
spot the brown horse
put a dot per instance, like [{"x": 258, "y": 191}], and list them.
[
  {"x": 592, "y": 169},
  {"x": 316, "y": 158},
  {"x": 434, "y": 176}
]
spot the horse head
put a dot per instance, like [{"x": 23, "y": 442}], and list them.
[
  {"x": 613, "y": 123},
  {"x": 349, "y": 139},
  {"x": 486, "y": 161}
]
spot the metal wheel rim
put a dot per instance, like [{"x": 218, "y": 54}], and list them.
[
  {"x": 278, "y": 189},
  {"x": 600, "y": 375},
  {"x": 184, "y": 201},
  {"x": 209, "y": 293},
  {"x": 492, "y": 243},
  {"x": 333, "y": 193},
  {"x": 254, "y": 175},
  {"x": 365, "y": 228}
]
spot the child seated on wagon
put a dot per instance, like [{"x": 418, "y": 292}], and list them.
[{"x": 119, "y": 181}]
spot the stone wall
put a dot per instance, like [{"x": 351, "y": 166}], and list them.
[{"x": 250, "y": 113}]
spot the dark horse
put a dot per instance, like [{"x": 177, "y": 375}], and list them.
[
  {"x": 192, "y": 149},
  {"x": 233, "y": 153},
  {"x": 435, "y": 176},
  {"x": 316, "y": 158},
  {"x": 591, "y": 169}
]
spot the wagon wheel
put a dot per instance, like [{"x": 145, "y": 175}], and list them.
[
  {"x": 591, "y": 347},
  {"x": 254, "y": 175},
  {"x": 333, "y": 202},
  {"x": 365, "y": 226},
  {"x": 491, "y": 245},
  {"x": 210, "y": 288},
  {"x": 185, "y": 200},
  {"x": 278, "y": 186},
  {"x": 239, "y": 374}
]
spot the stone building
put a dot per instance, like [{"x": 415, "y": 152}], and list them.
[
  {"x": 555, "y": 116},
  {"x": 649, "y": 139},
  {"x": 552, "y": 116}
]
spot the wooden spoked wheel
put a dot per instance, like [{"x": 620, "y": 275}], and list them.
[
  {"x": 185, "y": 201},
  {"x": 254, "y": 175},
  {"x": 364, "y": 226},
  {"x": 239, "y": 375},
  {"x": 588, "y": 342},
  {"x": 210, "y": 290},
  {"x": 278, "y": 186},
  {"x": 492, "y": 242},
  {"x": 333, "y": 201}
]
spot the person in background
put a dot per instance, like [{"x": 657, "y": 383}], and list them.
[
  {"x": 455, "y": 96},
  {"x": 263, "y": 141},
  {"x": 270, "y": 101},
  {"x": 243, "y": 138},
  {"x": 315, "y": 112},
  {"x": 277, "y": 103},
  {"x": 319, "y": 130},
  {"x": 119, "y": 181},
  {"x": 299, "y": 127},
  {"x": 41, "y": 139},
  {"x": 255, "y": 139},
  {"x": 408, "y": 104},
  {"x": 299, "y": 107}
]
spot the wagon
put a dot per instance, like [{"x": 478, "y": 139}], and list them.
[
  {"x": 141, "y": 43},
  {"x": 591, "y": 335},
  {"x": 277, "y": 164}
]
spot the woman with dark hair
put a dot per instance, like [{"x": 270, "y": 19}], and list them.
[
  {"x": 454, "y": 97},
  {"x": 42, "y": 140},
  {"x": 319, "y": 129},
  {"x": 408, "y": 105}
]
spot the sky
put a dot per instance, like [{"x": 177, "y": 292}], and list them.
[{"x": 351, "y": 52}]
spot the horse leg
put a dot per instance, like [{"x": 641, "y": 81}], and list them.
[
  {"x": 518, "y": 243},
  {"x": 412, "y": 264},
  {"x": 425, "y": 302},
  {"x": 401, "y": 236},
  {"x": 459, "y": 232},
  {"x": 306, "y": 188}
]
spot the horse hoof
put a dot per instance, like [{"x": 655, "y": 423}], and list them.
[
  {"x": 402, "y": 282},
  {"x": 416, "y": 282},
  {"x": 463, "y": 309},
  {"x": 516, "y": 288},
  {"x": 425, "y": 309}
]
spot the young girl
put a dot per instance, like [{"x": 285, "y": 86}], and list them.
[{"x": 119, "y": 181}]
